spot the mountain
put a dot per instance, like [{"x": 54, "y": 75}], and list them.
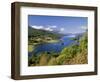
[{"x": 39, "y": 32}]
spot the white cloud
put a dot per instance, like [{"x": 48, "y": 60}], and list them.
[
  {"x": 37, "y": 27},
  {"x": 62, "y": 29},
  {"x": 84, "y": 27},
  {"x": 48, "y": 28}
]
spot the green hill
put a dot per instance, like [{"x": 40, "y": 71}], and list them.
[
  {"x": 40, "y": 33},
  {"x": 37, "y": 36}
]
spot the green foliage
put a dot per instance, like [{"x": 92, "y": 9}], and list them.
[
  {"x": 83, "y": 42},
  {"x": 67, "y": 53},
  {"x": 41, "y": 33},
  {"x": 70, "y": 51},
  {"x": 60, "y": 59},
  {"x": 52, "y": 61},
  {"x": 73, "y": 54},
  {"x": 38, "y": 36},
  {"x": 32, "y": 61}
]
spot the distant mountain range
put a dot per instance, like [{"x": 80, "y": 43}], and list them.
[{"x": 41, "y": 32}]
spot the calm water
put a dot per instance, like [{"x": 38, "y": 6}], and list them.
[{"x": 53, "y": 47}]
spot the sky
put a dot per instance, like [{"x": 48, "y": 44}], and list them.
[{"x": 61, "y": 24}]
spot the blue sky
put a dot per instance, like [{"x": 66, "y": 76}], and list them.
[{"x": 61, "y": 24}]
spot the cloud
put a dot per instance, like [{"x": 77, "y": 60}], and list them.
[
  {"x": 47, "y": 28},
  {"x": 62, "y": 29},
  {"x": 84, "y": 27},
  {"x": 37, "y": 27}
]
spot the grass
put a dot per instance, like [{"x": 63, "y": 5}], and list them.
[
  {"x": 30, "y": 48},
  {"x": 52, "y": 41},
  {"x": 79, "y": 59}
]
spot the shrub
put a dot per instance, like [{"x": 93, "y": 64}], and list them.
[{"x": 52, "y": 61}]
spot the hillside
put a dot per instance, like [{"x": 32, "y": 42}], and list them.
[
  {"x": 39, "y": 33},
  {"x": 38, "y": 36},
  {"x": 73, "y": 54}
]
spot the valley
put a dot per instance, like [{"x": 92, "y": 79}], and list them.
[{"x": 49, "y": 48}]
